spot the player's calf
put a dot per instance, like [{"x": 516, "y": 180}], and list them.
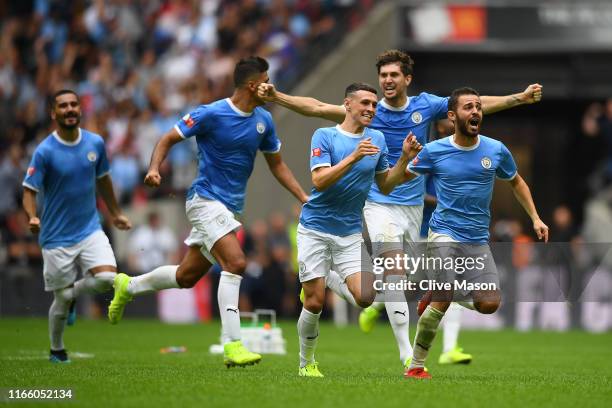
[
  {"x": 314, "y": 296},
  {"x": 188, "y": 276},
  {"x": 361, "y": 286}
]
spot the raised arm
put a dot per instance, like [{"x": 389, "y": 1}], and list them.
[
  {"x": 492, "y": 104},
  {"x": 302, "y": 104},
  {"x": 285, "y": 176},
  {"x": 29, "y": 205},
  {"x": 153, "y": 179},
  {"x": 105, "y": 187},
  {"x": 523, "y": 195},
  {"x": 397, "y": 175},
  {"x": 324, "y": 177}
]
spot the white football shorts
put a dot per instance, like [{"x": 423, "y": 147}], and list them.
[
  {"x": 392, "y": 227},
  {"x": 210, "y": 221},
  {"x": 319, "y": 252},
  {"x": 60, "y": 264}
]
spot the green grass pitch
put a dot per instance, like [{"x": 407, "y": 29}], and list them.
[{"x": 510, "y": 369}]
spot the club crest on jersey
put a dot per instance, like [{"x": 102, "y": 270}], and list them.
[
  {"x": 92, "y": 156},
  {"x": 316, "y": 152},
  {"x": 417, "y": 117},
  {"x": 261, "y": 127},
  {"x": 188, "y": 121},
  {"x": 486, "y": 162},
  {"x": 31, "y": 171}
]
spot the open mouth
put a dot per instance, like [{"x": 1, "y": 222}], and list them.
[{"x": 475, "y": 121}]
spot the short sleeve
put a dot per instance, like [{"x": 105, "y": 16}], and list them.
[
  {"x": 383, "y": 161},
  {"x": 35, "y": 174},
  {"x": 193, "y": 123},
  {"x": 102, "y": 166},
  {"x": 320, "y": 151},
  {"x": 438, "y": 105},
  {"x": 270, "y": 142},
  {"x": 422, "y": 163},
  {"x": 506, "y": 170}
]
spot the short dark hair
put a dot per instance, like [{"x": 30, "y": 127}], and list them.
[
  {"x": 359, "y": 86},
  {"x": 395, "y": 56},
  {"x": 61, "y": 92},
  {"x": 454, "y": 98},
  {"x": 247, "y": 67}
]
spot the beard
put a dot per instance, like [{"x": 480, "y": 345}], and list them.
[
  {"x": 63, "y": 123},
  {"x": 465, "y": 128}
]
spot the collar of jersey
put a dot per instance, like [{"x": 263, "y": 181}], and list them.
[
  {"x": 384, "y": 103},
  {"x": 235, "y": 108},
  {"x": 349, "y": 134},
  {"x": 467, "y": 149},
  {"x": 62, "y": 141}
]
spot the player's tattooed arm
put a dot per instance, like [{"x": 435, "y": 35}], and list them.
[
  {"x": 105, "y": 187},
  {"x": 302, "y": 104},
  {"x": 285, "y": 176},
  {"x": 324, "y": 177},
  {"x": 397, "y": 175},
  {"x": 492, "y": 104},
  {"x": 29, "y": 205},
  {"x": 523, "y": 195},
  {"x": 153, "y": 178}
]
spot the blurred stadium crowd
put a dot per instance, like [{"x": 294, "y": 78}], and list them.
[{"x": 138, "y": 65}]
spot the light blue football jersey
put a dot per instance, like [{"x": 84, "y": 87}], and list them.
[
  {"x": 228, "y": 140},
  {"x": 416, "y": 116},
  {"x": 337, "y": 210},
  {"x": 64, "y": 175},
  {"x": 463, "y": 179}
]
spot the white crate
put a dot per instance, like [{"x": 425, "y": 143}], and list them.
[{"x": 267, "y": 339}]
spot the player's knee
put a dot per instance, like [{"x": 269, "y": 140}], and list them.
[
  {"x": 314, "y": 303},
  {"x": 487, "y": 306},
  {"x": 63, "y": 296},
  {"x": 236, "y": 265}
]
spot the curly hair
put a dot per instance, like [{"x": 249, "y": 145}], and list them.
[{"x": 395, "y": 56}]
